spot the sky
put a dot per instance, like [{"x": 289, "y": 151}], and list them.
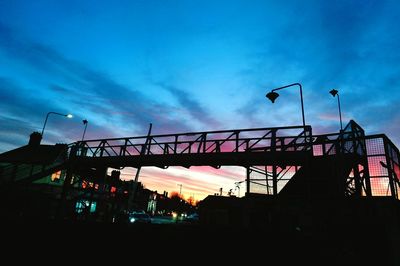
[{"x": 194, "y": 66}]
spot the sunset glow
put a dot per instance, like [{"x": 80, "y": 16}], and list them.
[{"x": 194, "y": 66}]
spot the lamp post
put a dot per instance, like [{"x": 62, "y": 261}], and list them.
[
  {"x": 237, "y": 186},
  {"x": 272, "y": 95},
  {"x": 47, "y": 116},
  {"x": 334, "y": 93},
  {"x": 85, "y": 122}
]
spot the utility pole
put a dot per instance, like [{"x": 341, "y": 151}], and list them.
[
  {"x": 180, "y": 190},
  {"x": 143, "y": 151}
]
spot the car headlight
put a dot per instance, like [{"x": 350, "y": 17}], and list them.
[{"x": 132, "y": 220}]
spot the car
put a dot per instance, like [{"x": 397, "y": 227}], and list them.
[
  {"x": 192, "y": 218},
  {"x": 139, "y": 217}
]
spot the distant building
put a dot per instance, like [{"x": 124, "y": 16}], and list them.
[
  {"x": 31, "y": 178},
  {"x": 32, "y": 182}
]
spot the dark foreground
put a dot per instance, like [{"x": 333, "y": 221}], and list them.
[{"x": 174, "y": 242}]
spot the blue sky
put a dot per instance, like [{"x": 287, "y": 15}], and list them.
[{"x": 194, "y": 66}]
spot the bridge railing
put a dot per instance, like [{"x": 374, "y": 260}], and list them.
[
  {"x": 384, "y": 165},
  {"x": 293, "y": 138},
  {"x": 350, "y": 140}
]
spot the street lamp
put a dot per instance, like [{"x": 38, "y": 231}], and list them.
[
  {"x": 47, "y": 116},
  {"x": 272, "y": 96},
  {"x": 85, "y": 122},
  {"x": 237, "y": 186},
  {"x": 334, "y": 93}
]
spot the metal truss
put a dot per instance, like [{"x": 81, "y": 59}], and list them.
[{"x": 272, "y": 156}]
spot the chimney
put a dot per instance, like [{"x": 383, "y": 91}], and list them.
[
  {"x": 115, "y": 174},
  {"x": 35, "y": 139}
]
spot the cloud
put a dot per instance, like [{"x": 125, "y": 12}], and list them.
[
  {"x": 190, "y": 106},
  {"x": 13, "y": 133},
  {"x": 351, "y": 46},
  {"x": 195, "y": 179},
  {"x": 21, "y": 114},
  {"x": 110, "y": 107}
]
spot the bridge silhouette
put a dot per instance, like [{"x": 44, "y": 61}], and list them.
[
  {"x": 275, "y": 158},
  {"x": 340, "y": 187}
]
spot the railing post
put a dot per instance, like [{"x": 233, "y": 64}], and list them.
[
  {"x": 176, "y": 143},
  {"x": 274, "y": 170},
  {"x": 237, "y": 141},
  {"x": 217, "y": 147},
  {"x": 204, "y": 139},
  {"x": 266, "y": 179},
  {"x": 123, "y": 148},
  {"x": 166, "y": 150},
  {"x": 102, "y": 144}
]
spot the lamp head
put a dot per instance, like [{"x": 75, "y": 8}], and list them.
[
  {"x": 272, "y": 96},
  {"x": 69, "y": 116},
  {"x": 84, "y": 121},
  {"x": 333, "y": 92}
]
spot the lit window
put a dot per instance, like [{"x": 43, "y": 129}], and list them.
[
  {"x": 55, "y": 177},
  {"x": 83, "y": 205},
  {"x": 93, "y": 206}
]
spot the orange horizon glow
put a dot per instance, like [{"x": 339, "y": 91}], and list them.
[
  {"x": 197, "y": 182},
  {"x": 201, "y": 181}
]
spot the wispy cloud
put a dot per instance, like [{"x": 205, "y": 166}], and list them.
[
  {"x": 109, "y": 106},
  {"x": 207, "y": 71},
  {"x": 190, "y": 106},
  {"x": 355, "y": 53}
]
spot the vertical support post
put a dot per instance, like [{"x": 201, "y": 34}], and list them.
[
  {"x": 356, "y": 170},
  {"x": 358, "y": 140},
  {"x": 137, "y": 173},
  {"x": 248, "y": 171},
  {"x": 266, "y": 179},
  {"x": 357, "y": 180},
  {"x": 143, "y": 151},
  {"x": 392, "y": 185},
  {"x": 366, "y": 176},
  {"x": 274, "y": 167}
]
